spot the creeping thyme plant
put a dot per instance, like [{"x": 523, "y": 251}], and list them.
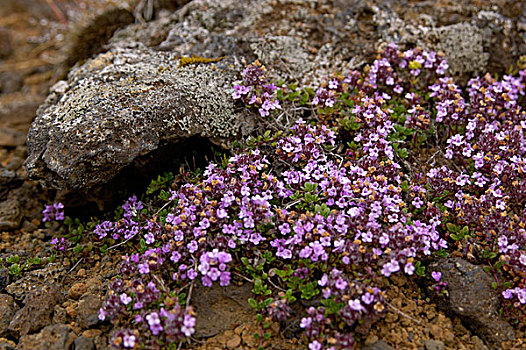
[{"x": 390, "y": 168}]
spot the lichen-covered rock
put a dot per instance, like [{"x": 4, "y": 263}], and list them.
[
  {"x": 132, "y": 100},
  {"x": 306, "y": 40},
  {"x": 297, "y": 40},
  {"x": 462, "y": 44},
  {"x": 122, "y": 105}
]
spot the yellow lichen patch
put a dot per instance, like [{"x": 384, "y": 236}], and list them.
[{"x": 185, "y": 61}]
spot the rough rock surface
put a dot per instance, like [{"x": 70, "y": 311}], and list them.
[
  {"x": 76, "y": 290},
  {"x": 8, "y": 308},
  {"x": 87, "y": 310},
  {"x": 6, "y": 344},
  {"x": 83, "y": 343},
  {"x": 35, "y": 280},
  {"x": 471, "y": 298},
  {"x": 132, "y": 100},
  {"x": 462, "y": 44},
  {"x": 4, "y": 279},
  {"x": 221, "y": 308},
  {"x": 122, "y": 105},
  {"x": 5, "y": 43},
  {"x": 305, "y": 40},
  {"x": 54, "y": 337},
  {"x": 378, "y": 345},
  {"x": 37, "y": 311},
  {"x": 10, "y": 214}
]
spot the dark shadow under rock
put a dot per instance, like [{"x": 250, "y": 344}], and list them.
[
  {"x": 8, "y": 181},
  {"x": 470, "y": 297},
  {"x": 194, "y": 153}
]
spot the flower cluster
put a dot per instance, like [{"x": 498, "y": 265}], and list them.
[
  {"x": 485, "y": 188},
  {"x": 257, "y": 90},
  {"x": 53, "y": 212},
  {"x": 148, "y": 309},
  {"x": 327, "y": 93},
  {"x": 213, "y": 266},
  {"x": 350, "y": 213},
  {"x": 128, "y": 226},
  {"x": 60, "y": 244},
  {"x": 310, "y": 218}
]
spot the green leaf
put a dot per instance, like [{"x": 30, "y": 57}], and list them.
[
  {"x": 164, "y": 196},
  {"x": 15, "y": 269},
  {"x": 332, "y": 307},
  {"x": 419, "y": 269},
  {"x": 403, "y": 153},
  {"x": 77, "y": 249},
  {"x": 309, "y": 290},
  {"x": 13, "y": 259},
  {"x": 253, "y": 303},
  {"x": 267, "y": 302},
  {"x": 441, "y": 253},
  {"x": 182, "y": 298},
  {"x": 293, "y": 86},
  {"x": 452, "y": 227}
]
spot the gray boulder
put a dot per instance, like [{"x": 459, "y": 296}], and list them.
[
  {"x": 132, "y": 101},
  {"x": 122, "y": 105}
]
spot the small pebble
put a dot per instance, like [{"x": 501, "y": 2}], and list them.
[
  {"x": 71, "y": 311},
  {"x": 371, "y": 339},
  {"x": 434, "y": 345},
  {"x": 233, "y": 342},
  {"x": 91, "y": 333},
  {"x": 76, "y": 291}
]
